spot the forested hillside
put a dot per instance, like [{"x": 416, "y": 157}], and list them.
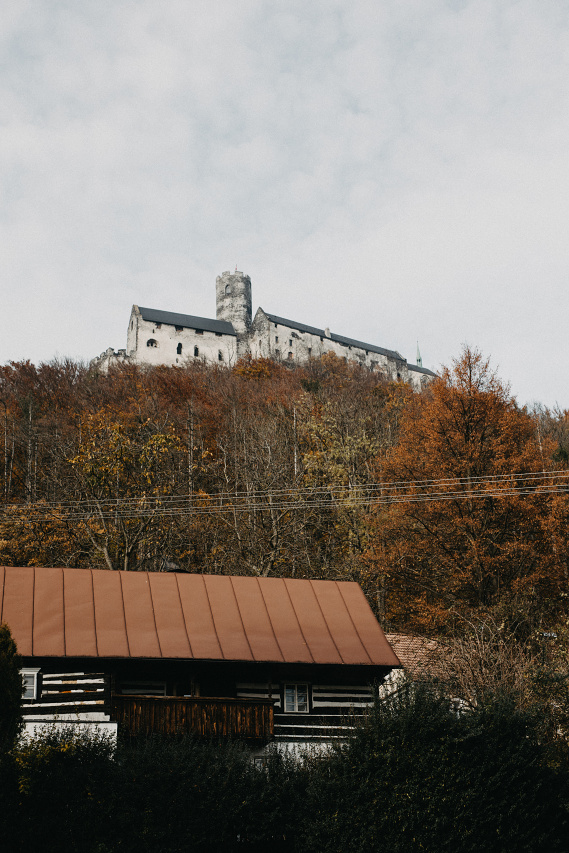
[{"x": 443, "y": 505}]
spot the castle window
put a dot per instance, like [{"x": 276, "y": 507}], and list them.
[
  {"x": 289, "y": 356},
  {"x": 179, "y": 328},
  {"x": 219, "y": 334},
  {"x": 196, "y": 352},
  {"x": 277, "y": 353},
  {"x": 179, "y": 349},
  {"x": 276, "y": 339},
  {"x": 199, "y": 331},
  {"x": 158, "y": 325},
  {"x": 151, "y": 342},
  {"x": 276, "y": 325},
  {"x": 227, "y": 289},
  {"x": 290, "y": 343},
  {"x": 309, "y": 351},
  {"x": 220, "y": 356}
]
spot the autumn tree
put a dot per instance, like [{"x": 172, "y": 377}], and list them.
[{"x": 458, "y": 530}]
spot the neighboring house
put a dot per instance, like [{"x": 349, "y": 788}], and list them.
[
  {"x": 256, "y": 658},
  {"x": 164, "y": 338},
  {"x": 418, "y": 655}
]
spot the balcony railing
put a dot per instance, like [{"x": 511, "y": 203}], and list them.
[{"x": 243, "y": 719}]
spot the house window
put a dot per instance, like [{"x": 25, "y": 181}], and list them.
[
  {"x": 219, "y": 355},
  {"x": 143, "y": 688},
  {"x": 151, "y": 342},
  {"x": 179, "y": 349},
  {"x": 196, "y": 352},
  {"x": 296, "y": 699},
  {"x": 199, "y": 331},
  {"x": 29, "y": 683}
]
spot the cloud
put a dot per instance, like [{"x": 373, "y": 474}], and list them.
[{"x": 395, "y": 171}]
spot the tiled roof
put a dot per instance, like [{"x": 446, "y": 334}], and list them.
[
  {"x": 417, "y": 654},
  {"x": 340, "y": 339},
  {"x": 186, "y": 321},
  {"x": 96, "y": 613}
]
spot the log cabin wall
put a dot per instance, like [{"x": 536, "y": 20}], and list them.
[
  {"x": 74, "y": 696},
  {"x": 332, "y": 710}
]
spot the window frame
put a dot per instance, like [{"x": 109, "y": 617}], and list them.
[
  {"x": 33, "y": 672},
  {"x": 296, "y": 685}
]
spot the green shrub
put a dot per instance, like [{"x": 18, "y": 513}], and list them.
[
  {"x": 64, "y": 778},
  {"x": 418, "y": 776}
]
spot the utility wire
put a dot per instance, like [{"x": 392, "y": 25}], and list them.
[{"x": 296, "y": 499}]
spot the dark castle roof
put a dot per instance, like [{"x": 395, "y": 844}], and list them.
[
  {"x": 186, "y": 321},
  {"x": 416, "y": 369},
  {"x": 340, "y": 339}
]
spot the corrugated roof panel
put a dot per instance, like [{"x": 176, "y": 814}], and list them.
[
  {"x": 198, "y": 618},
  {"x": 139, "y": 615},
  {"x": 312, "y": 622},
  {"x": 80, "y": 635},
  {"x": 18, "y": 607},
  {"x": 109, "y": 615},
  {"x": 368, "y": 628},
  {"x": 286, "y": 626},
  {"x": 340, "y": 623},
  {"x": 256, "y": 620},
  {"x": 226, "y": 617},
  {"x": 49, "y": 627},
  {"x": 168, "y": 615}
]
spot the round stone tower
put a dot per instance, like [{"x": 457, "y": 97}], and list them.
[{"x": 233, "y": 300}]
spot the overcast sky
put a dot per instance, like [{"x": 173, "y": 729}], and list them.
[{"x": 396, "y": 170}]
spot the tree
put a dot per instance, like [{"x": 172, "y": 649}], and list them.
[
  {"x": 10, "y": 691},
  {"x": 458, "y": 535}
]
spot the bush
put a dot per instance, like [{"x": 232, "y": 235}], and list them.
[
  {"x": 64, "y": 779},
  {"x": 418, "y": 776}
]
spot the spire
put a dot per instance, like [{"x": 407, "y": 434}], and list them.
[{"x": 419, "y": 359}]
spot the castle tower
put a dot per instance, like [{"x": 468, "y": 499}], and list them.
[{"x": 233, "y": 300}]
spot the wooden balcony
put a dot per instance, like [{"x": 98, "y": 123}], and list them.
[{"x": 237, "y": 719}]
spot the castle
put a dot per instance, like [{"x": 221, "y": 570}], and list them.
[{"x": 164, "y": 338}]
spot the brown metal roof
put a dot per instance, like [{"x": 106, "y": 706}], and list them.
[{"x": 96, "y": 613}]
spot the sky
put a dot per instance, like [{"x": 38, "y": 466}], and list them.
[{"x": 395, "y": 170}]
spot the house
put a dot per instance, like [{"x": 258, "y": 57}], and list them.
[
  {"x": 255, "y": 658},
  {"x": 157, "y": 337}
]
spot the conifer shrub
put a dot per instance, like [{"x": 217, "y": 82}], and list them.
[{"x": 10, "y": 691}]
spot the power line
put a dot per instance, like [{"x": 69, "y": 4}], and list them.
[{"x": 295, "y": 499}]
